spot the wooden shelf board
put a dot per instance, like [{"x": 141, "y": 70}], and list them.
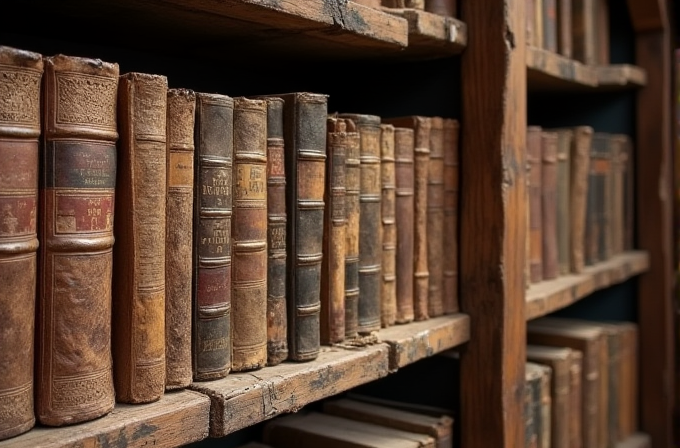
[
  {"x": 176, "y": 419},
  {"x": 417, "y": 340},
  {"x": 548, "y": 296},
  {"x": 431, "y": 35},
  {"x": 620, "y": 76},
  {"x": 638, "y": 440}
]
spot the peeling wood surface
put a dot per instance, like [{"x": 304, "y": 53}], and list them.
[
  {"x": 432, "y": 35},
  {"x": 548, "y": 296},
  {"x": 638, "y": 440}
]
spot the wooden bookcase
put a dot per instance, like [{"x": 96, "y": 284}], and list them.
[{"x": 398, "y": 61}]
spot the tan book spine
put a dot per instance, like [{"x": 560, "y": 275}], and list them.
[
  {"x": 535, "y": 204},
  {"x": 435, "y": 218},
  {"x": 353, "y": 211},
  {"x": 77, "y": 189},
  {"x": 539, "y": 32},
  {"x": 388, "y": 292},
  {"x": 249, "y": 236},
  {"x": 179, "y": 233},
  {"x": 564, "y": 141},
  {"x": 530, "y": 15},
  {"x": 578, "y": 194},
  {"x": 564, "y": 28},
  {"x": 576, "y": 400},
  {"x": 549, "y": 256},
  {"x": 450, "y": 231},
  {"x": 20, "y": 78}
]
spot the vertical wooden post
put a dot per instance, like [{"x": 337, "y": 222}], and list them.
[{"x": 493, "y": 223}]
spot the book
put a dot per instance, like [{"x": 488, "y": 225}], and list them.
[
  {"x": 576, "y": 399},
  {"x": 530, "y": 20},
  {"x": 549, "y": 256},
  {"x": 583, "y": 31},
  {"x": 597, "y": 214},
  {"x": 388, "y": 291},
  {"x": 211, "y": 284},
  {"x": 447, "y": 8},
  {"x": 20, "y": 79},
  {"x": 450, "y": 229},
  {"x": 74, "y": 372},
  {"x": 563, "y": 229},
  {"x": 564, "y": 28},
  {"x": 534, "y": 151},
  {"x": 616, "y": 205},
  {"x": 578, "y": 194},
  {"x": 602, "y": 31},
  {"x": 532, "y": 416},
  {"x": 550, "y": 26},
  {"x": 181, "y": 110},
  {"x": 628, "y": 374},
  {"x": 628, "y": 169},
  {"x": 249, "y": 236},
  {"x": 539, "y": 33},
  {"x": 539, "y": 378},
  {"x": 352, "y": 212},
  {"x": 435, "y": 218}
]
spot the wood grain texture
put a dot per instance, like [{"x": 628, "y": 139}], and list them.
[
  {"x": 493, "y": 223},
  {"x": 432, "y": 35},
  {"x": 545, "y": 297},
  {"x": 418, "y": 340},
  {"x": 177, "y": 418}
]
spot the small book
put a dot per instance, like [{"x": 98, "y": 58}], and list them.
[
  {"x": 534, "y": 151},
  {"x": 435, "y": 218},
  {"x": 549, "y": 174},
  {"x": 451, "y": 200},
  {"x": 578, "y": 194},
  {"x": 388, "y": 290},
  {"x": 563, "y": 229}
]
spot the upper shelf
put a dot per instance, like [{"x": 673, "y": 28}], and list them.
[{"x": 548, "y": 71}]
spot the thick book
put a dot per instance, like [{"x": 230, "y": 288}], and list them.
[
  {"x": 352, "y": 212},
  {"x": 564, "y": 28},
  {"x": 20, "y": 78},
  {"x": 539, "y": 378},
  {"x": 249, "y": 236},
  {"x": 435, "y": 218},
  {"x": 277, "y": 316},
  {"x": 211, "y": 284},
  {"x": 178, "y": 235},
  {"x": 563, "y": 229},
  {"x": 549, "y": 256},
  {"x": 74, "y": 372},
  {"x": 139, "y": 252},
  {"x": 332, "y": 318},
  {"x": 447, "y": 8},
  {"x": 450, "y": 230},
  {"x": 404, "y": 213},
  {"x": 388, "y": 291},
  {"x": 534, "y": 151},
  {"x": 578, "y": 194},
  {"x": 584, "y": 31}
]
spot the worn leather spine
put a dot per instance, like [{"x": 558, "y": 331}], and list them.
[
  {"x": 448, "y": 8},
  {"x": 549, "y": 205},
  {"x": 550, "y": 25},
  {"x": 249, "y": 236},
  {"x": 74, "y": 374},
  {"x": 404, "y": 213},
  {"x": 333, "y": 264},
  {"x": 616, "y": 209},
  {"x": 629, "y": 194},
  {"x": 435, "y": 218},
  {"x": 139, "y": 253},
  {"x": 352, "y": 212},
  {"x": 583, "y": 27},
  {"x": 181, "y": 111},
  {"x": 211, "y": 285},
  {"x": 564, "y": 139},
  {"x": 388, "y": 292},
  {"x": 564, "y": 24},
  {"x": 277, "y": 318},
  {"x": 578, "y": 194},
  {"x": 576, "y": 400},
  {"x": 535, "y": 204},
  {"x": 20, "y": 77},
  {"x": 450, "y": 229},
  {"x": 594, "y": 213}
]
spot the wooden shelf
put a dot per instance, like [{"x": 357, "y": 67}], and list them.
[
  {"x": 548, "y": 296},
  {"x": 548, "y": 71},
  {"x": 176, "y": 419},
  {"x": 638, "y": 440}
]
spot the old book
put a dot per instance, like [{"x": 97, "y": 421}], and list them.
[
  {"x": 583, "y": 31},
  {"x": 628, "y": 379},
  {"x": 450, "y": 231},
  {"x": 211, "y": 329},
  {"x": 530, "y": 19},
  {"x": 549, "y": 257},
  {"x": 370, "y": 228},
  {"x": 550, "y": 27},
  {"x": 352, "y": 212},
  {"x": 602, "y": 29},
  {"x": 421, "y": 136},
  {"x": 618, "y": 142},
  {"x": 277, "y": 333},
  {"x": 539, "y": 34},
  {"x": 414, "y": 4},
  {"x": 77, "y": 185},
  {"x": 181, "y": 109},
  {"x": 335, "y": 219},
  {"x": 576, "y": 399},
  {"x": 534, "y": 151},
  {"x": 564, "y": 28},
  {"x": 439, "y": 428},
  {"x": 249, "y": 236},
  {"x": 20, "y": 78},
  {"x": 532, "y": 419},
  {"x": 448, "y": 8},
  {"x": 564, "y": 144},
  {"x": 388, "y": 292},
  {"x": 435, "y": 218},
  {"x": 597, "y": 215},
  {"x": 578, "y": 194},
  {"x": 628, "y": 169},
  {"x": 404, "y": 211},
  {"x": 539, "y": 378}
]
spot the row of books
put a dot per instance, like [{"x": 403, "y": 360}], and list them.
[
  {"x": 580, "y": 199},
  {"x": 581, "y": 383},
  {"x": 248, "y": 231},
  {"x": 448, "y": 8}
]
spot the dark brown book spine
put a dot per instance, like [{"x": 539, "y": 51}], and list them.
[
  {"x": 404, "y": 212},
  {"x": 583, "y": 31},
  {"x": 353, "y": 210},
  {"x": 578, "y": 194},
  {"x": 595, "y": 215},
  {"x": 435, "y": 218},
  {"x": 564, "y": 139},
  {"x": 249, "y": 236},
  {"x": 448, "y": 8},
  {"x": 564, "y": 28},
  {"x": 335, "y": 219},
  {"x": 211, "y": 330},
  {"x": 535, "y": 204},
  {"x": 602, "y": 27},
  {"x": 450, "y": 231},
  {"x": 20, "y": 77},
  {"x": 78, "y": 181},
  {"x": 550, "y": 25},
  {"x": 277, "y": 315},
  {"x": 388, "y": 293},
  {"x": 178, "y": 234},
  {"x": 549, "y": 205},
  {"x": 576, "y": 400}
]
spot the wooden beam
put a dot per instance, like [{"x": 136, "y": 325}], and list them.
[
  {"x": 648, "y": 15},
  {"x": 493, "y": 223}
]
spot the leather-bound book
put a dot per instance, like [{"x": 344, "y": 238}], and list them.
[
  {"x": 576, "y": 399},
  {"x": 435, "y": 218},
  {"x": 450, "y": 231},
  {"x": 539, "y": 34},
  {"x": 439, "y": 428},
  {"x": 539, "y": 378},
  {"x": 20, "y": 76},
  {"x": 596, "y": 213},
  {"x": 628, "y": 374},
  {"x": 277, "y": 316},
  {"x": 530, "y": 7},
  {"x": 564, "y": 143},
  {"x": 550, "y": 25},
  {"x": 578, "y": 194},
  {"x": 616, "y": 188},
  {"x": 211, "y": 329},
  {"x": 421, "y": 135},
  {"x": 448, "y": 8},
  {"x": 352, "y": 212},
  {"x": 583, "y": 31},
  {"x": 404, "y": 213},
  {"x": 532, "y": 417},
  {"x": 535, "y": 204},
  {"x": 74, "y": 377},
  {"x": 628, "y": 169},
  {"x": 370, "y": 228},
  {"x": 602, "y": 27},
  {"x": 413, "y": 4},
  {"x": 549, "y": 205},
  {"x": 178, "y": 235},
  {"x": 249, "y": 236},
  {"x": 388, "y": 292},
  {"x": 564, "y": 28},
  {"x": 139, "y": 252},
  {"x": 335, "y": 218}
]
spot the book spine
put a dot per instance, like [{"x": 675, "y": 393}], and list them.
[
  {"x": 614, "y": 390},
  {"x": 590, "y": 380},
  {"x": 178, "y": 234},
  {"x": 583, "y": 31},
  {"x": 20, "y": 78},
  {"x": 352, "y": 212},
  {"x": 550, "y": 25},
  {"x": 616, "y": 197},
  {"x": 277, "y": 332},
  {"x": 530, "y": 419},
  {"x": 535, "y": 204},
  {"x": 629, "y": 195},
  {"x": 545, "y": 406},
  {"x": 599, "y": 172},
  {"x": 448, "y": 8},
  {"x": 576, "y": 430},
  {"x": 564, "y": 138},
  {"x": 335, "y": 219},
  {"x": 539, "y": 34},
  {"x": 76, "y": 208},
  {"x": 530, "y": 15},
  {"x": 249, "y": 236},
  {"x": 450, "y": 231},
  {"x": 435, "y": 218},
  {"x": 404, "y": 212},
  {"x": 560, "y": 404},
  {"x": 388, "y": 292},
  {"x": 211, "y": 329},
  {"x": 564, "y": 28},
  {"x": 421, "y": 274},
  {"x": 549, "y": 205},
  {"x": 602, "y": 31},
  {"x": 578, "y": 195}
]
